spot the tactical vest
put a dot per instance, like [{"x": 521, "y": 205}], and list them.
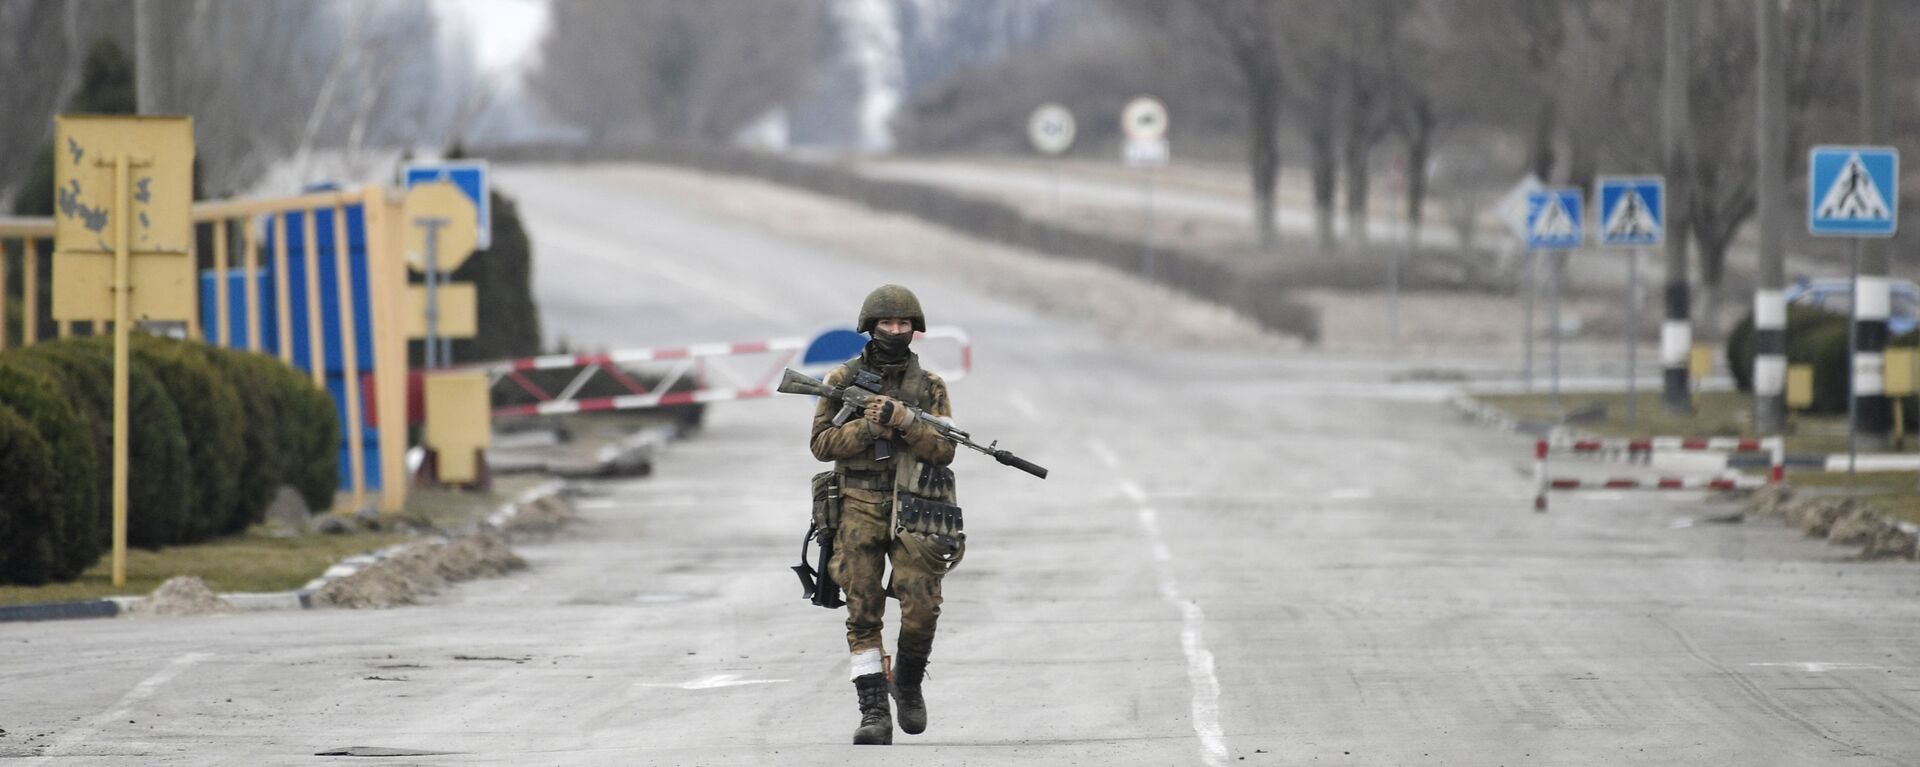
[{"x": 912, "y": 389}]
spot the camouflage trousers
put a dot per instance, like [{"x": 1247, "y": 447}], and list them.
[{"x": 862, "y": 549}]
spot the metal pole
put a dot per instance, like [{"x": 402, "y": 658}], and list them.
[
  {"x": 1853, "y": 361},
  {"x": 1633, "y": 336},
  {"x": 1554, "y": 265},
  {"x": 1526, "y": 333},
  {"x": 1147, "y": 256},
  {"x": 122, "y": 314},
  {"x": 433, "y": 291}
]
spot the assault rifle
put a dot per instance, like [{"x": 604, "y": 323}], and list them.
[{"x": 854, "y": 399}]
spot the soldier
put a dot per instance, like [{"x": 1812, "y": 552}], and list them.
[{"x": 876, "y": 457}]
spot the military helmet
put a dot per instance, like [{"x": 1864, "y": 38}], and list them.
[{"x": 890, "y": 301}]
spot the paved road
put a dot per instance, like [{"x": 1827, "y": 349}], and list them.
[{"x": 1281, "y": 560}]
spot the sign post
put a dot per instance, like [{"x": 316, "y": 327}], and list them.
[
  {"x": 1553, "y": 225},
  {"x": 442, "y": 225},
  {"x": 1051, "y": 131},
  {"x": 1633, "y": 215},
  {"x": 1854, "y": 191},
  {"x": 1144, "y": 121},
  {"x": 133, "y": 174},
  {"x": 1512, "y": 210}
]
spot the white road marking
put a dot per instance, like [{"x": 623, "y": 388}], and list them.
[
  {"x": 1193, "y": 622},
  {"x": 1817, "y": 667},
  {"x": 597, "y": 504},
  {"x": 140, "y": 692},
  {"x": 1026, "y": 407},
  {"x": 712, "y": 682}
]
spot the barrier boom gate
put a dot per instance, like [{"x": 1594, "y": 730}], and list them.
[{"x": 668, "y": 376}]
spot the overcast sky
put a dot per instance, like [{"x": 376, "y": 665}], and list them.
[{"x": 505, "y": 33}]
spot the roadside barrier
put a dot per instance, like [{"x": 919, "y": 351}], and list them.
[
  {"x": 668, "y": 376},
  {"x": 1643, "y": 450}
]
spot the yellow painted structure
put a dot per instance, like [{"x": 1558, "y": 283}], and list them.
[
  {"x": 458, "y": 423},
  {"x": 1799, "y": 386},
  {"x": 1700, "y": 363},
  {"x": 442, "y": 209},
  {"x": 459, "y": 310}
]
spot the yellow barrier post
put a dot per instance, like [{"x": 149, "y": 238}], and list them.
[
  {"x": 220, "y": 298},
  {"x": 458, "y": 424},
  {"x": 386, "y": 276},
  {"x": 281, "y": 292},
  {"x": 30, "y": 292},
  {"x": 1699, "y": 364},
  {"x": 251, "y": 268},
  {"x": 1899, "y": 385}
]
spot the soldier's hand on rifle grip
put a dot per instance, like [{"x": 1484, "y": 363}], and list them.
[{"x": 889, "y": 412}]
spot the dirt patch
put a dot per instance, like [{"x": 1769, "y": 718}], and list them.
[
  {"x": 539, "y": 519},
  {"x": 1769, "y": 501},
  {"x": 419, "y": 570},
  {"x": 181, "y": 595},
  {"x": 1126, "y": 307}
]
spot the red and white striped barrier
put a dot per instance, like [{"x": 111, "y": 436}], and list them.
[
  {"x": 711, "y": 369},
  {"x": 1642, "y": 451}
]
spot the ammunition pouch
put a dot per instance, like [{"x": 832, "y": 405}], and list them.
[
  {"x": 931, "y": 531},
  {"x": 861, "y": 480},
  {"x": 826, "y": 500}
]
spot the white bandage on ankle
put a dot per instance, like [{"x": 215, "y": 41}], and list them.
[{"x": 866, "y": 662}]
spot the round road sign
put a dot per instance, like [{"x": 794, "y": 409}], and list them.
[
  {"x": 441, "y": 208},
  {"x": 1144, "y": 118},
  {"x": 1050, "y": 129}
]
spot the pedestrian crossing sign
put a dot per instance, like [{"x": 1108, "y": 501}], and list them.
[
  {"x": 1553, "y": 219},
  {"x": 1853, "y": 191},
  {"x": 1633, "y": 210}
]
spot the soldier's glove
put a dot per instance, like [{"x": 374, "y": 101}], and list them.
[{"x": 889, "y": 412}]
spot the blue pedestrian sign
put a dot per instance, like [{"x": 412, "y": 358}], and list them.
[
  {"x": 1853, "y": 191},
  {"x": 1633, "y": 211},
  {"x": 1553, "y": 219},
  {"x": 470, "y": 176}
]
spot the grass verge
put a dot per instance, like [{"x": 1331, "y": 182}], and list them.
[{"x": 254, "y": 561}]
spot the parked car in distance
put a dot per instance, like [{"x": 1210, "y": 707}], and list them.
[{"x": 1836, "y": 296}]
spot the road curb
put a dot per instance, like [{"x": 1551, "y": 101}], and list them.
[{"x": 297, "y": 599}]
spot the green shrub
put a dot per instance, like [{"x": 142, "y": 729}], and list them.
[
  {"x": 312, "y": 434},
  {"x": 157, "y": 469},
  {"x": 1800, "y": 322},
  {"x": 26, "y": 491},
  {"x": 68, "y": 516},
  {"x": 212, "y": 418},
  {"x": 263, "y": 466}
]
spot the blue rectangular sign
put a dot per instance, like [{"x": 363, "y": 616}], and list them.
[
  {"x": 1633, "y": 211},
  {"x": 1553, "y": 219},
  {"x": 471, "y": 178},
  {"x": 1853, "y": 191}
]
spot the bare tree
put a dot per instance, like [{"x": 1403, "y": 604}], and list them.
[{"x": 692, "y": 71}]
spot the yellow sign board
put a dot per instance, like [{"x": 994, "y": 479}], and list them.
[
  {"x": 459, "y": 424},
  {"x": 157, "y": 203},
  {"x": 1900, "y": 369},
  {"x": 459, "y": 312},
  {"x": 1700, "y": 362},
  {"x": 439, "y": 219},
  {"x": 1799, "y": 386}
]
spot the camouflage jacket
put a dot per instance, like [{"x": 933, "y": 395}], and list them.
[{"x": 849, "y": 446}]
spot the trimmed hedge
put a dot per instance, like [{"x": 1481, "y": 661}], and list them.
[
  {"x": 1814, "y": 337},
  {"x": 213, "y": 435},
  {"x": 53, "y": 538}
]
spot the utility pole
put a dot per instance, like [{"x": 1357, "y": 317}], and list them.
[
  {"x": 1769, "y": 298},
  {"x": 1873, "y": 411},
  {"x": 1676, "y": 333}
]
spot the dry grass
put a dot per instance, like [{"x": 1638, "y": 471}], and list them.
[{"x": 255, "y": 561}]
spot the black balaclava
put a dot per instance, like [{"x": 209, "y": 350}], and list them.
[{"x": 889, "y": 348}]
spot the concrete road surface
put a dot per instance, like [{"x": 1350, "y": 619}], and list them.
[{"x": 1238, "y": 559}]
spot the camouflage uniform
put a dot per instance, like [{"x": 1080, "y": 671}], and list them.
[{"x": 866, "y": 539}]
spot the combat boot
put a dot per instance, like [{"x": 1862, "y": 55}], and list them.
[
  {"x": 876, "y": 720},
  {"x": 907, "y": 675}
]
